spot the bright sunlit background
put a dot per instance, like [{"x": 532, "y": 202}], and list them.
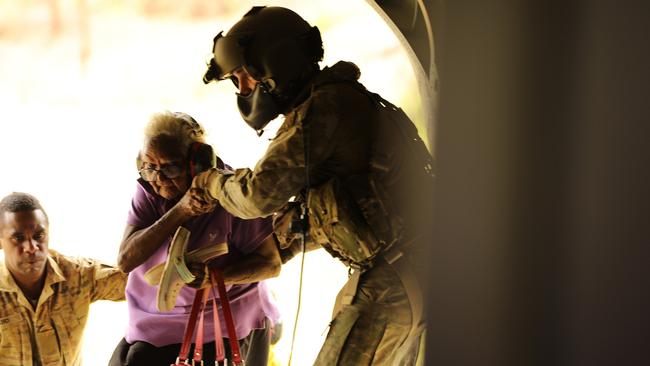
[{"x": 78, "y": 81}]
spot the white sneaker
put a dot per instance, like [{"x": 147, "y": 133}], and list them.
[
  {"x": 172, "y": 275},
  {"x": 202, "y": 255}
]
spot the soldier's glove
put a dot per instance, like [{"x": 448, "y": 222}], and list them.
[
  {"x": 289, "y": 252},
  {"x": 288, "y": 234},
  {"x": 207, "y": 185},
  {"x": 282, "y": 224}
]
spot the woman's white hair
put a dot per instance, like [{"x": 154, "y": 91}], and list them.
[{"x": 178, "y": 125}]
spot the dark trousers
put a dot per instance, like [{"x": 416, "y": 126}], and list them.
[{"x": 254, "y": 350}]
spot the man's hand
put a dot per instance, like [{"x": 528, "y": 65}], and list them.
[
  {"x": 282, "y": 224},
  {"x": 207, "y": 185}
]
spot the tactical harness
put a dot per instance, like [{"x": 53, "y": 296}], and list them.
[{"x": 356, "y": 220}]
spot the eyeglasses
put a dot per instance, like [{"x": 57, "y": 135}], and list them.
[{"x": 170, "y": 171}]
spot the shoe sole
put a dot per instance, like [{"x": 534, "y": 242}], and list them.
[
  {"x": 204, "y": 254},
  {"x": 172, "y": 275},
  {"x": 175, "y": 273}
]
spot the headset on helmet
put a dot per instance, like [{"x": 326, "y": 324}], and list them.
[{"x": 275, "y": 46}]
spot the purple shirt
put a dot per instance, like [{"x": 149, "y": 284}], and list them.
[{"x": 250, "y": 303}]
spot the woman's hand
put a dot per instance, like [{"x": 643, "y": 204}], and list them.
[
  {"x": 193, "y": 204},
  {"x": 201, "y": 274}
]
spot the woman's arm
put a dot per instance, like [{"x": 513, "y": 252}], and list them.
[{"x": 138, "y": 244}]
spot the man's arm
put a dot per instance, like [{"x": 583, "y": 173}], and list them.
[
  {"x": 281, "y": 172},
  {"x": 108, "y": 282},
  {"x": 250, "y": 194}
]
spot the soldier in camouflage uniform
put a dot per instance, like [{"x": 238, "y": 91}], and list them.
[{"x": 272, "y": 55}]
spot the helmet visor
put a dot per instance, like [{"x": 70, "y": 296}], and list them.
[{"x": 228, "y": 55}]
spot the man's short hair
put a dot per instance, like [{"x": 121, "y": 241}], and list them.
[
  {"x": 19, "y": 202},
  {"x": 178, "y": 125}
]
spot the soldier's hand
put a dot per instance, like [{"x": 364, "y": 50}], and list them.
[
  {"x": 207, "y": 185},
  {"x": 282, "y": 224}
]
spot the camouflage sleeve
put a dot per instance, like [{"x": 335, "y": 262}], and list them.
[
  {"x": 280, "y": 173},
  {"x": 108, "y": 282}
]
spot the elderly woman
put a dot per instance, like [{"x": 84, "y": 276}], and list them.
[{"x": 161, "y": 203}]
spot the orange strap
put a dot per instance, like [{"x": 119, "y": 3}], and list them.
[
  {"x": 198, "y": 343},
  {"x": 189, "y": 328},
  {"x": 216, "y": 277},
  {"x": 218, "y": 338},
  {"x": 198, "y": 311}
]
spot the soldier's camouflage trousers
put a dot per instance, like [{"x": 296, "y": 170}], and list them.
[{"x": 372, "y": 329}]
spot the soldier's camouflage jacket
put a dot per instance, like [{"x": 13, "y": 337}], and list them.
[
  {"x": 340, "y": 124},
  {"x": 339, "y": 120}
]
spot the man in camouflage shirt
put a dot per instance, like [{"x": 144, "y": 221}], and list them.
[
  {"x": 272, "y": 55},
  {"x": 44, "y": 296}
]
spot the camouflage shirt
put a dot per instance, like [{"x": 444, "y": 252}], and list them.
[
  {"x": 338, "y": 119},
  {"x": 51, "y": 334}
]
